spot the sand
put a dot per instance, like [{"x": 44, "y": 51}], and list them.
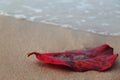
[{"x": 18, "y": 37}]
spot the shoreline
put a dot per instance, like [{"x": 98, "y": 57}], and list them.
[
  {"x": 63, "y": 26},
  {"x": 19, "y": 37}
]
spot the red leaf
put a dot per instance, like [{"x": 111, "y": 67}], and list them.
[{"x": 100, "y": 58}]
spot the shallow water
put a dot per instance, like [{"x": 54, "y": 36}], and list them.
[{"x": 101, "y": 16}]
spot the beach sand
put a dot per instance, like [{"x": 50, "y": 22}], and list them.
[{"x": 18, "y": 37}]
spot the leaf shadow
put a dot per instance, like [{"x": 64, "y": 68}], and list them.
[
  {"x": 54, "y": 67},
  {"x": 116, "y": 66},
  {"x": 62, "y": 68}
]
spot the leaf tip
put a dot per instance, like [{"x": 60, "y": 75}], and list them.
[{"x": 29, "y": 54}]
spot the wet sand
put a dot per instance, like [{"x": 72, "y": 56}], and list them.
[{"x": 18, "y": 37}]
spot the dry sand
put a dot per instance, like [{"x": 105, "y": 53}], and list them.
[{"x": 18, "y": 37}]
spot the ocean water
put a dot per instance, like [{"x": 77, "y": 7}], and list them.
[{"x": 98, "y": 16}]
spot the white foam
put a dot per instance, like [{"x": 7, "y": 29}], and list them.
[
  {"x": 66, "y": 26},
  {"x": 83, "y": 20},
  {"x": 62, "y": 25},
  {"x": 38, "y": 10},
  {"x": 92, "y": 17},
  {"x": 33, "y": 9},
  {"x": 86, "y": 11},
  {"x": 103, "y": 33},
  {"x": 46, "y": 22},
  {"x": 3, "y": 13},
  {"x": 51, "y": 19},
  {"x": 34, "y": 17},
  {"x": 66, "y": 1},
  {"x": 105, "y": 24},
  {"x": 115, "y": 34},
  {"x": 47, "y": 15},
  {"x": 83, "y": 5},
  {"x": 20, "y": 16},
  {"x": 94, "y": 31},
  {"x": 91, "y": 30}
]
